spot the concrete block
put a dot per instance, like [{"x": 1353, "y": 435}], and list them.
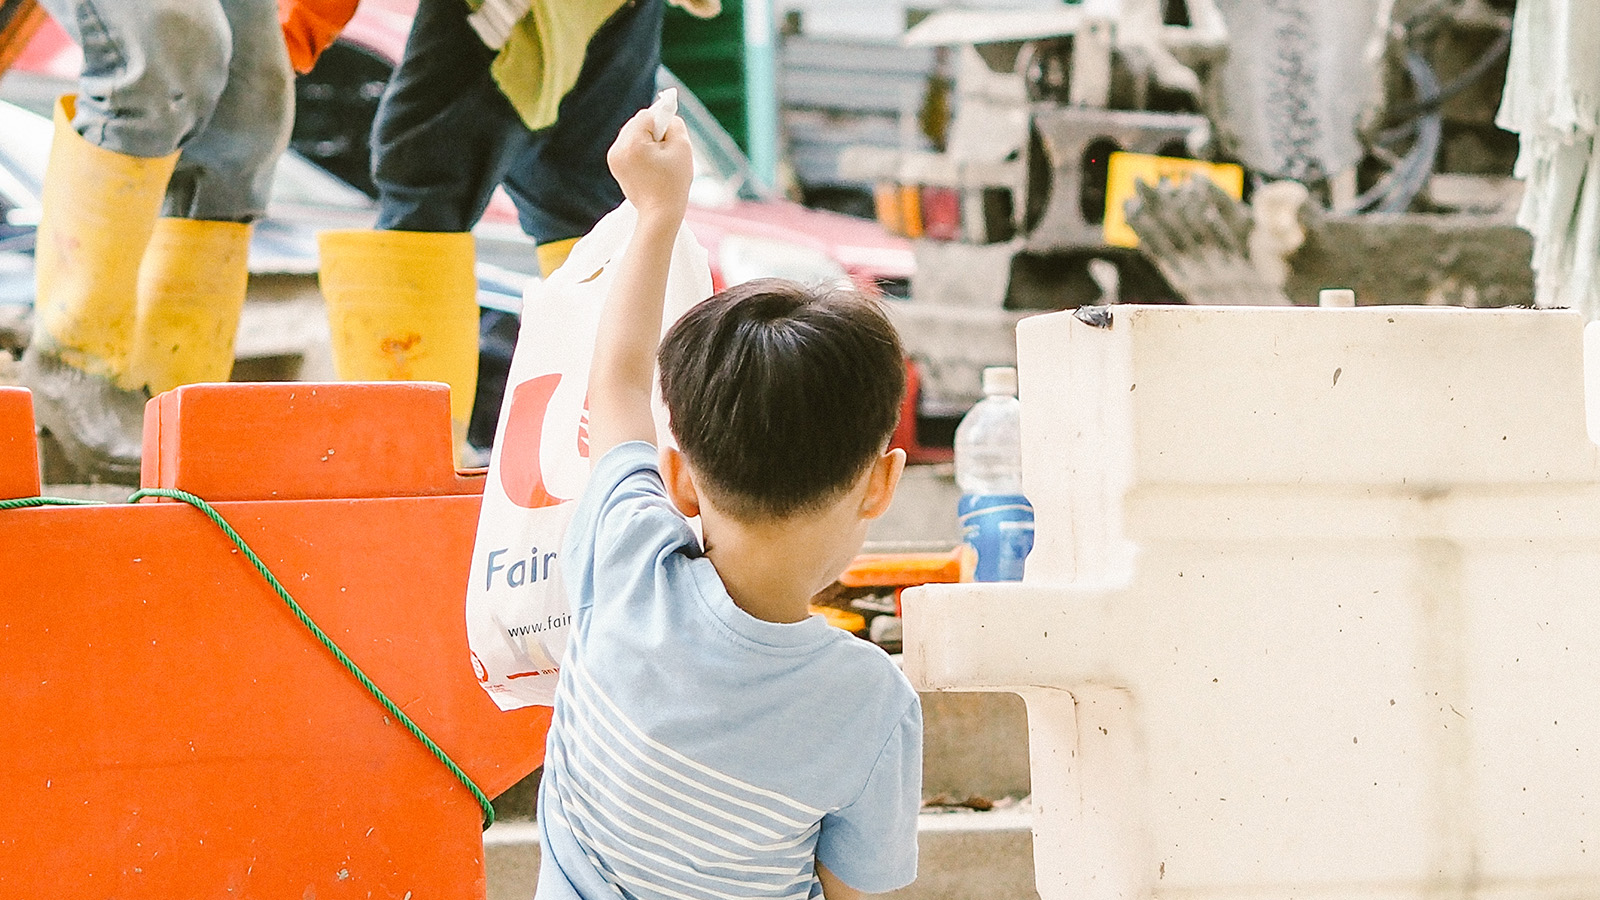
[
  {"x": 974, "y": 745},
  {"x": 511, "y": 859},
  {"x": 972, "y": 856},
  {"x": 1310, "y": 608}
]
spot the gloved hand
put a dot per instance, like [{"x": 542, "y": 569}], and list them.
[{"x": 309, "y": 26}]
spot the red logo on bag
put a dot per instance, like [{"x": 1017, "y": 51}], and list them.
[{"x": 520, "y": 472}]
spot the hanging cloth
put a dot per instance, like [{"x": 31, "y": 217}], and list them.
[
  {"x": 1297, "y": 77},
  {"x": 1552, "y": 101}
]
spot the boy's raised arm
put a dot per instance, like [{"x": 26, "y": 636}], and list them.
[{"x": 655, "y": 176}]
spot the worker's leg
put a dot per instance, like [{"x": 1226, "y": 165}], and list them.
[
  {"x": 191, "y": 293},
  {"x": 152, "y": 71},
  {"x": 99, "y": 209},
  {"x": 444, "y": 133},
  {"x": 111, "y": 159},
  {"x": 403, "y": 306},
  {"x": 560, "y": 181},
  {"x": 225, "y": 172},
  {"x": 194, "y": 276},
  {"x": 402, "y": 300},
  {"x": 154, "y": 75},
  {"x": 559, "y": 178}
]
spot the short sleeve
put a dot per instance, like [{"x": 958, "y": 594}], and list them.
[
  {"x": 871, "y": 844},
  {"x": 623, "y": 521}
]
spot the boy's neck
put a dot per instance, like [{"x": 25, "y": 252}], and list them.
[{"x": 773, "y": 570}]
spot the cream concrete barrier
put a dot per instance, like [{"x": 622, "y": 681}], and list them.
[{"x": 1313, "y": 609}]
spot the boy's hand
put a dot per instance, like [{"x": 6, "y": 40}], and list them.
[{"x": 654, "y": 174}]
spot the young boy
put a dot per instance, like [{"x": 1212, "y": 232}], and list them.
[{"x": 711, "y": 738}]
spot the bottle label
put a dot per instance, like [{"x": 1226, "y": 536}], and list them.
[{"x": 1000, "y": 528}]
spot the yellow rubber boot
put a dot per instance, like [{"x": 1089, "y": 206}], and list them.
[
  {"x": 403, "y": 306},
  {"x": 553, "y": 254},
  {"x": 99, "y": 210},
  {"x": 191, "y": 292}
]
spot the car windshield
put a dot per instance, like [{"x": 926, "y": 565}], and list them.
[{"x": 24, "y": 150}]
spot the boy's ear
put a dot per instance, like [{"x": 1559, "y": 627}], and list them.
[
  {"x": 680, "y": 481},
  {"x": 881, "y": 482}
]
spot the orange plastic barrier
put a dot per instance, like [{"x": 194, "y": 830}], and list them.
[
  {"x": 903, "y": 570},
  {"x": 19, "y": 457},
  {"x": 907, "y": 569},
  {"x": 169, "y": 729}
]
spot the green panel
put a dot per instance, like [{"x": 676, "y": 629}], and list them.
[{"x": 708, "y": 56}]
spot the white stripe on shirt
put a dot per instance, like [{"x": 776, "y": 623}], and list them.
[
  {"x": 807, "y": 811},
  {"x": 652, "y": 828},
  {"x": 571, "y": 790},
  {"x": 597, "y": 742}
]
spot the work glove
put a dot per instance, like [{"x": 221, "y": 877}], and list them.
[{"x": 309, "y": 26}]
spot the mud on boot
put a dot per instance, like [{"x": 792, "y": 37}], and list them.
[{"x": 98, "y": 426}]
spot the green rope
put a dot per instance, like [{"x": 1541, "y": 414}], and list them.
[
  {"x": 25, "y": 502},
  {"x": 299, "y": 613}
]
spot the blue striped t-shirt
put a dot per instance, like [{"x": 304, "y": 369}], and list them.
[{"x": 700, "y": 753}]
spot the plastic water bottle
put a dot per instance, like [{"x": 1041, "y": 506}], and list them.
[{"x": 996, "y": 519}]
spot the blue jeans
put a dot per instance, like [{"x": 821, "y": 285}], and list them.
[
  {"x": 209, "y": 77},
  {"x": 445, "y": 136}
]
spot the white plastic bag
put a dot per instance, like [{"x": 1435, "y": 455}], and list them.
[{"x": 517, "y": 610}]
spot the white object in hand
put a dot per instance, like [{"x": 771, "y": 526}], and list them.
[{"x": 662, "y": 111}]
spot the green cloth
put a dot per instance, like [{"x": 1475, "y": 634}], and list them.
[{"x": 541, "y": 59}]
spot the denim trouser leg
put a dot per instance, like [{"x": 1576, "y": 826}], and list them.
[
  {"x": 445, "y": 136},
  {"x": 225, "y": 172},
  {"x": 438, "y": 141},
  {"x": 211, "y": 77}
]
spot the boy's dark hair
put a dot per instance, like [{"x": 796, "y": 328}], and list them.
[{"x": 781, "y": 394}]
